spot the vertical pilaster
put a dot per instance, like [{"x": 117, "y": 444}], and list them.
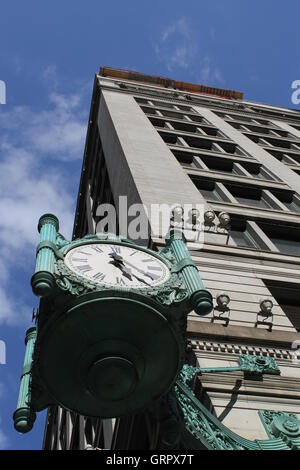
[
  {"x": 24, "y": 416},
  {"x": 42, "y": 281},
  {"x": 201, "y": 299}
]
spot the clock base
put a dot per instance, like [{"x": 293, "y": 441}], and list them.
[{"x": 109, "y": 357}]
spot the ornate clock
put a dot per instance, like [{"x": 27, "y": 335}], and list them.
[
  {"x": 111, "y": 325},
  {"x": 117, "y": 265}
]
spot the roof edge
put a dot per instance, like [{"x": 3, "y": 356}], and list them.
[{"x": 169, "y": 83}]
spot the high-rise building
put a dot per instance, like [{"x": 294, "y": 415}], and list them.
[{"x": 157, "y": 141}]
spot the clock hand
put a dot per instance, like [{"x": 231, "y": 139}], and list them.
[
  {"x": 116, "y": 257},
  {"x": 138, "y": 269},
  {"x": 127, "y": 271}
]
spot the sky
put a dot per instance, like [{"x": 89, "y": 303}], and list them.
[{"x": 49, "y": 54}]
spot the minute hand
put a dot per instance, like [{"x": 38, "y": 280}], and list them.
[{"x": 139, "y": 270}]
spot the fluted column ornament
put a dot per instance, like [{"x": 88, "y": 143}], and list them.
[
  {"x": 24, "y": 416},
  {"x": 201, "y": 300},
  {"x": 42, "y": 282}
]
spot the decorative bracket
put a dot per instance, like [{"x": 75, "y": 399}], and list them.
[
  {"x": 252, "y": 365},
  {"x": 202, "y": 430},
  {"x": 279, "y": 424}
]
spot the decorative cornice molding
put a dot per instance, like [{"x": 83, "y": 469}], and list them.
[{"x": 238, "y": 349}]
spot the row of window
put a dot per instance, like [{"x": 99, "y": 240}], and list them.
[
  {"x": 193, "y": 131},
  {"x": 259, "y": 113},
  {"x": 259, "y": 235},
  {"x": 216, "y": 163},
  {"x": 281, "y": 144},
  {"x": 246, "y": 195},
  {"x": 199, "y": 145}
]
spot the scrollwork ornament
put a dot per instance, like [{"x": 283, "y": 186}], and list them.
[{"x": 168, "y": 294}]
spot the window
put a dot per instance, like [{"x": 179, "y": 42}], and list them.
[
  {"x": 157, "y": 122},
  {"x": 198, "y": 142},
  {"x": 285, "y": 238},
  {"x": 287, "y": 295},
  {"x": 288, "y": 198},
  {"x": 185, "y": 158},
  {"x": 241, "y": 235},
  {"x": 183, "y": 126},
  {"x": 248, "y": 196},
  {"x": 163, "y": 104},
  {"x": 258, "y": 171},
  {"x": 208, "y": 189},
  {"x": 218, "y": 164}
]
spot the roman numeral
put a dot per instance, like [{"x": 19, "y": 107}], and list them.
[
  {"x": 116, "y": 249},
  {"x": 79, "y": 259},
  {"x": 84, "y": 253},
  {"x": 154, "y": 276},
  {"x": 146, "y": 260},
  {"x": 133, "y": 253},
  {"x": 99, "y": 276},
  {"x": 120, "y": 281},
  {"x": 84, "y": 268},
  {"x": 98, "y": 249},
  {"x": 154, "y": 268}
]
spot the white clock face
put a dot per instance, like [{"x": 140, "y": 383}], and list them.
[{"x": 117, "y": 265}]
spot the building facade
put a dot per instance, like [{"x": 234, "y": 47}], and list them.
[{"x": 160, "y": 141}]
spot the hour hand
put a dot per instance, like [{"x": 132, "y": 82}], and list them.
[
  {"x": 116, "y": 257},
  {"x": 126, "y": 271}
]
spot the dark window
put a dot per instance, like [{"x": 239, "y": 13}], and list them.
[
  {"x": 184, "y": 126},
  {"x": 248, "y": 196},
  {"x": 200, "y": 143},
  {"x": 228, "y": 147},
  {"x": 287, "y": 295},
  {"x": 288, "y": 199},
  {"x": 278, "y": 142},
  {"x": 257, "y": 171},
  {"x": 196, "y": 118},
  {"x": 157, "y": 122},
  {"x": 285, "y": 238},
  {"x": 185, "y": 158},
  {"x": 169, "y": 138},
  {"x": 241, "y": 235},
  {"x": 207, "y": 189},
  {"x": 172, "y": 114},
  {"x": 218, "y": 163},
  {"x": 163, "y": 104}
]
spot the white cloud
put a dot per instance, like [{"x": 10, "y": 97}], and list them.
[
  {"x": 3, "y": 440},
  {"x": 58, "y": 132},
  {"x": 176, "y": 46},
  {"x": 209, "y": 72},
  {"x": 33, "y": 181},
  {"x": 50, "y": 76}
]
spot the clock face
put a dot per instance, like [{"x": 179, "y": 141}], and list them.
[{"x": 117, "y": 265}]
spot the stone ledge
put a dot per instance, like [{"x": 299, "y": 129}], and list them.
[{"x": 241, "y": 334}]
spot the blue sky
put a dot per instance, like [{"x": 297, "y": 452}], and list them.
[{"x": 49, "y": 53}]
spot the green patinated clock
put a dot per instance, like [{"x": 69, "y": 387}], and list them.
[{"x": 110, "y": 338}]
